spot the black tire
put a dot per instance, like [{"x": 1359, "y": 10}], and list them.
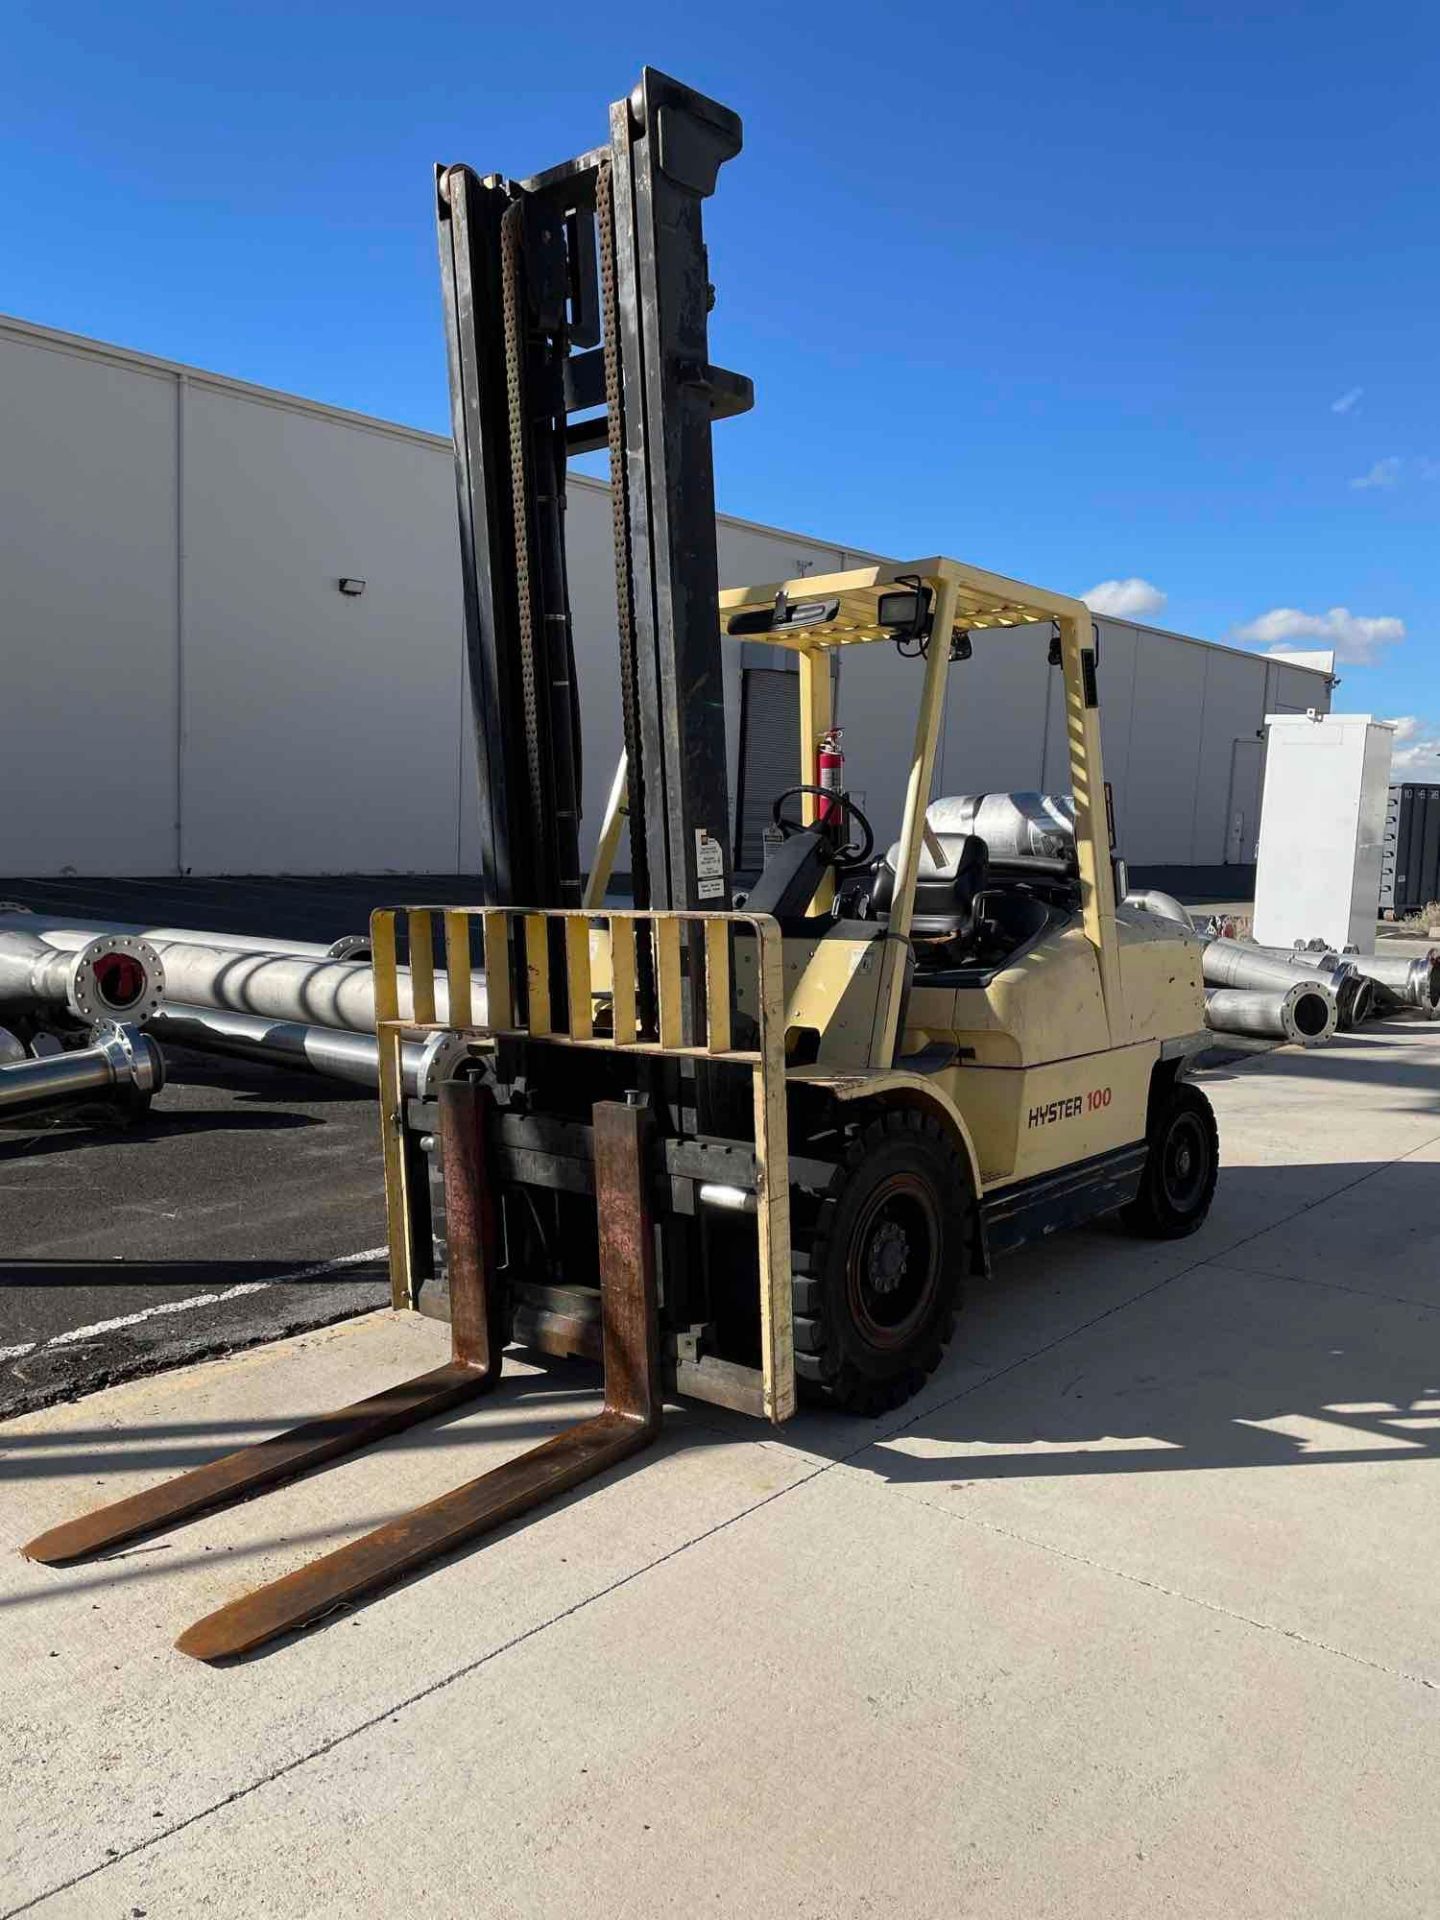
[
  {"x": 1181, "y": 1167},
  {"x": 874, "y": 1310}
]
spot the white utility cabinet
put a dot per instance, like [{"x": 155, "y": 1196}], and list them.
[{"x": 1322, "y": 829}]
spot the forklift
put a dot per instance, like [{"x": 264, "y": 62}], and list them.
[{"x": 745, "y": 1147}]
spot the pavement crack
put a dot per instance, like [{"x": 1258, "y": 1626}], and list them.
[
  {"x": 1334, "y": 1286},
  {"x": 963, "y": 1517},
  {"x": 385, "y": 1714}
]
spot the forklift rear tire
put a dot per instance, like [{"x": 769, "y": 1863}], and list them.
[
  {"x": 1181, "y": 1167},
  {"x": 874, "y": 1312}
]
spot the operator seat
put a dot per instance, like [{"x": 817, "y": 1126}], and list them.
[{"x": 945, "y": 894}]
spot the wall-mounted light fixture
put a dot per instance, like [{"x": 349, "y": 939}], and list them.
[{"x": 352, "y": 587}]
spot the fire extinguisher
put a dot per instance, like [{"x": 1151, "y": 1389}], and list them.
[{"x": 830, "y": 773}]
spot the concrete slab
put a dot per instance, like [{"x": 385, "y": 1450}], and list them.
[
  {"x": 1269, "y": 1449},
  {"x": 111, "y": 1732},
  {"x": 1380, "y": 1235},
  {"x": 843, "y": 1704}
]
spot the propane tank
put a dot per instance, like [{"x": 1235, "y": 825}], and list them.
[
  {"x": 1012, "y": 825},
  {"x": 829, "y": 773}
]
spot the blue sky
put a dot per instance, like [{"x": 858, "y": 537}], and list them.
[{"x": 1086, "y": 293}]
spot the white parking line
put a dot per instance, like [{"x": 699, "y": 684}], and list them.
[{"x": 72, "y": 1335}]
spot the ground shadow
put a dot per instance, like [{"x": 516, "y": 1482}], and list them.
[
  {"x": 26, "y": 1142},
  {"x": 259, "y": 1080}
]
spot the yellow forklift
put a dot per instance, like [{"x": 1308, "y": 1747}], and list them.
[{"x": 741, "y": 1149}]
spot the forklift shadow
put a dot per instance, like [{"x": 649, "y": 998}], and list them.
[{"x": 1298, "y": 1328}]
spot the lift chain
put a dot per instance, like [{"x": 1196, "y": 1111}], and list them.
[
  {"x": 620, "y": 516},
  {"x": 511, "y": 229}
]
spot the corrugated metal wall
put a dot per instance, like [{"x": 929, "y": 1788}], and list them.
[{"x": 185, "y": 689}]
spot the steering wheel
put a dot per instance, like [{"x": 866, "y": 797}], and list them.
[{"x": 853, "y": 853}]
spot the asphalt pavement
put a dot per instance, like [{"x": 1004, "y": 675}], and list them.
[{"x": 248, "y": 1205}]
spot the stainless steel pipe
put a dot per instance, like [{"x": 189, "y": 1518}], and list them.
[
  {"x": 238, "y": 974},
  {"x": 1413, "y": 981},
  {"x": 315, "y": 993},
  {"x": 122, "y": 1064},
  {"x": 67, "y": 935},
  {"x": 113, "y": 977},
  {"x": 1305, "y": 1015},
  {"x": 289, "y": 1044},
  {"x": 1235, "y": 963},
  {"x": 1398, "y": 979}
]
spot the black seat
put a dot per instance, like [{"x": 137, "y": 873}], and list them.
[{"x": 945, "y": 891}]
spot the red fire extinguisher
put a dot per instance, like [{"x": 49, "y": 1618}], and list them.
[{"x": 830, "y": 772}]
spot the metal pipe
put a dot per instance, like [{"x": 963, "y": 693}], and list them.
[
  {"x": 1236, "y": 963},
  {"x": 1302, "y": 1014},
  {"x": 1398, "y": 979},
  {"x": 237, "y": 973},
  {"x": 121, "y": 1063},
  {"x": 318, "y": 993},
  {"x": 1232, "y": 963},
  {"x": 1414, "y": 982},
  {"x": 290, "y": 1044},
  {"x": 1355, "y": 996},
  {"x": 67, "y": 935},
  {"x": 114, "y": 977}
]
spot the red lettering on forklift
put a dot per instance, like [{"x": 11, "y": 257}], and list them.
[{"x": 1071, "y": 1108}]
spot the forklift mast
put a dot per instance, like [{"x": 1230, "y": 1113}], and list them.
[{"x": 576, "y": 313}]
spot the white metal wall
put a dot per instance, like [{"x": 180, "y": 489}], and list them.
[
  {"x": 185, "y": 689},
  {"x": 88, "y": 631}
]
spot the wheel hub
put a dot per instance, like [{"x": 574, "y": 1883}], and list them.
[
  {"x": 889, "y": 1256},
  {"x": 893, "y": 1266},
  {"x": 1183, "y": 1163}
]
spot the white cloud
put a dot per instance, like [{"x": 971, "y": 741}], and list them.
[
  {"x": 1346, "y": 401},
  {"x": 1417, "y": 748},
  {"x": 1356, "y": 637},
  {"x": 1384, "y": 473},
  {"x": 1128, "y": 599}
]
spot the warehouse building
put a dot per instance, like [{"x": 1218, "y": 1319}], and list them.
[{"x": 232, "y": 618}]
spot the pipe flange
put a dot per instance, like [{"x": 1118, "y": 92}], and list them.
[
  {"x": 12, "y": 1048},
  {"x": 1422, "y": 984},
  {"x": 352, "y": 946},
  {"x": 116, "y": 979},
  {"x": 442, "y": 1057},
  {"x": 135, "y": 1061}
]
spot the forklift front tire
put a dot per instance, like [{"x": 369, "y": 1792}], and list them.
[
  {"x": 1181, "y": 1167},
  {"x": 874, "y": 1312}
]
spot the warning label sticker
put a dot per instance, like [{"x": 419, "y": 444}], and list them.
[{"x": 709, "y": 861}]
